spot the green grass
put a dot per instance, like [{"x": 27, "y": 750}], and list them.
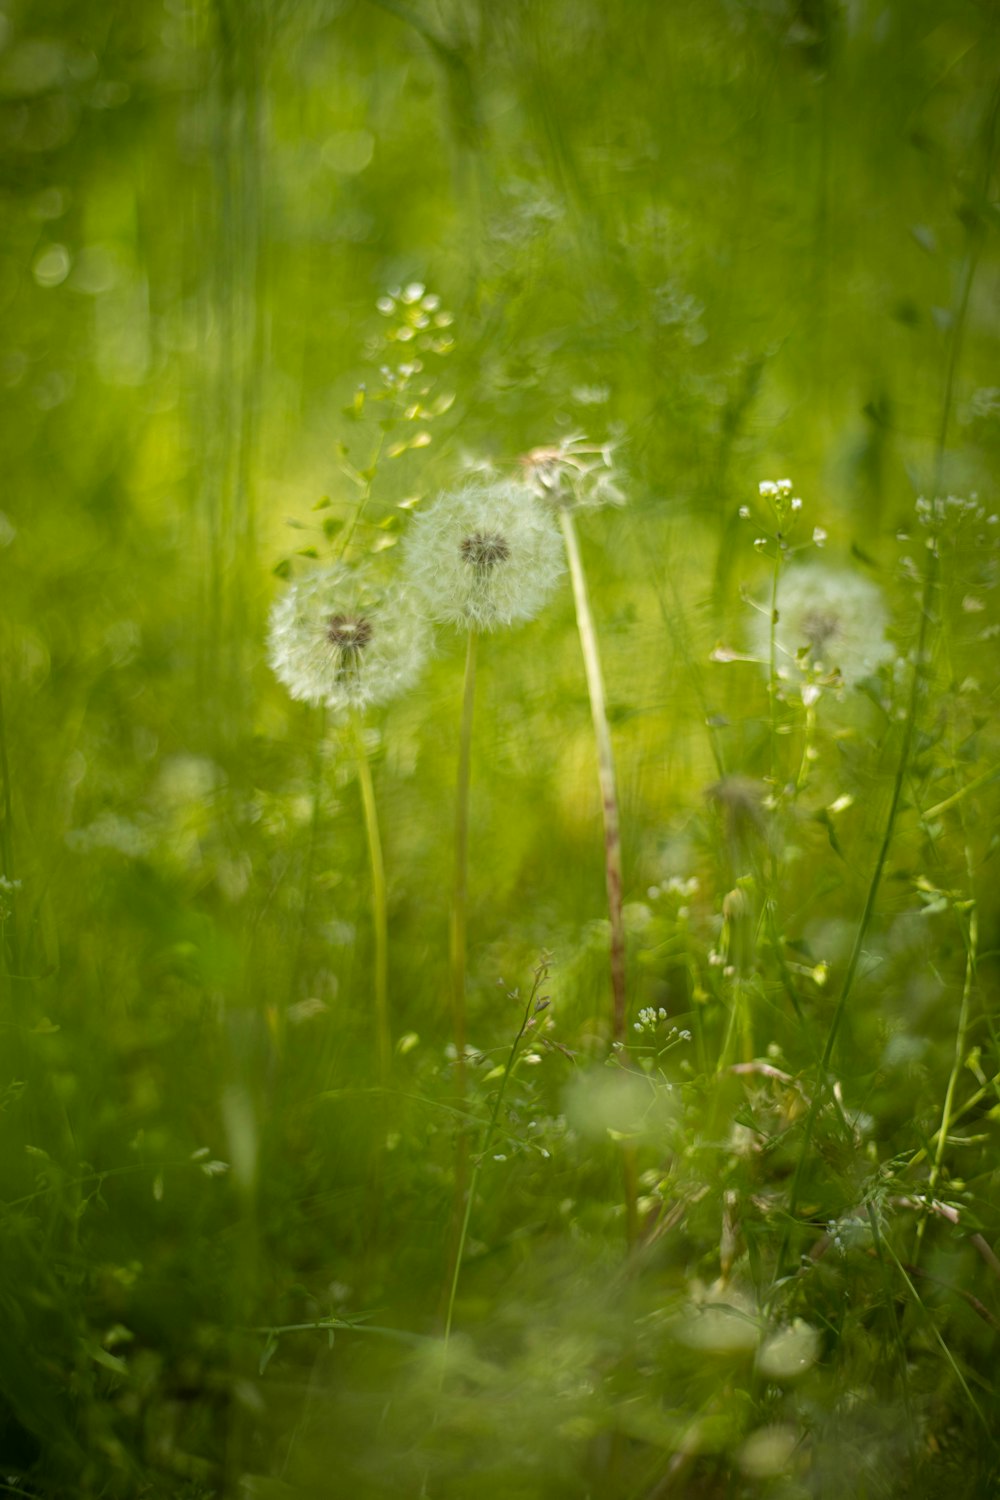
[{"x": 237, "y": 1257}]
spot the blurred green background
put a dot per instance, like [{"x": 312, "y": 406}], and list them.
[{"x": 742, "y": 238}]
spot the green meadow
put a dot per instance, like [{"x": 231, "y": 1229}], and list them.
[{"x": 499, "y": 749}]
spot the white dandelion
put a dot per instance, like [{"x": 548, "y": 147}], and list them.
[
  {"x": 829, "y": 620},
  {"x": 340, "y": 638},
  {"x": 485, "y": 556}
]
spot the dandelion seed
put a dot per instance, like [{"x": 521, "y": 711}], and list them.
[
  {"x": 485, "y": 556},
  {"x": 573, "y": 473},
  {"x": 828, "y": 619},
  {"x": 338, "y": 637}
]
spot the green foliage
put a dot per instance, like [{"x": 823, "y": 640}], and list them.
[{"x": 274, "y": 275}]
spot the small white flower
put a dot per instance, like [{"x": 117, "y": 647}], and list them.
[
  {"x": 484, "y": 556},
  {"x": 338, "y": 637},
  {"x": 827, "y": 619}
]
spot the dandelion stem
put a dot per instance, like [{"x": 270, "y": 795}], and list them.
[
  {"x": 606, "y": 771},
  {"x": 319, "y": 767},
  {"x": 772, "y": 676},
  {"x": 380, "y": 924},
  {"x": 458, "y": 943},
  {"x": 612, "y": 829},
  {"x": 460, "y": 894}
]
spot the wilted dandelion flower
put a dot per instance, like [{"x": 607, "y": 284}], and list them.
[
  {"x": 828, "y": 620},
  {"x": 340, "y": 638},
  {"x": 573, "y": 472},
  {"x": 484, "y": 556}
]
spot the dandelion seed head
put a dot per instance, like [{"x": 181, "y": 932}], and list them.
[
  {"x": 828, "y": 619},
  {"x": 485, "y": 556},
  {"x": 349, "y": 634},
  {"x": 573, "y": 473},
  {"x": 485, "y": 551},
  {"x": 339, "y": 637}
]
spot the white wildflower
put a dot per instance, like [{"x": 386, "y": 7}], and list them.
[
  {"x": 828, "y": 619},
  {"x": 339, "y": 637},
  {"x": 484, "y": 556}
]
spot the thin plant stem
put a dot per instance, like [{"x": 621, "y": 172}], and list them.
[
  {"x": 458, "y": 948},
  {"x": 7, "y": 843},
  {"x": 612, "y": 832},
  {"x": 460, "y": 890},
  {"x": 532, "y": 1008},
  {"x": 366, "y": 495},
  {"x": 318, "y": 769},
  {"x": 606, "y": 772},
  {"x": 874, "y": 885},
  {"x": 956, "y": 797},
  {"x": 809, "y": 735},
  {"x": 6, "y": 827},
  {"x": 930, "y": 581},
  {"x": 961, "y": 1035},
  {"x": 380, "y": 923},
  {"x": 772, "y": 674}
]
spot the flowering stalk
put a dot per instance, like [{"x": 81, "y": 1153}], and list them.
[{"x": 612, "y": 828}]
